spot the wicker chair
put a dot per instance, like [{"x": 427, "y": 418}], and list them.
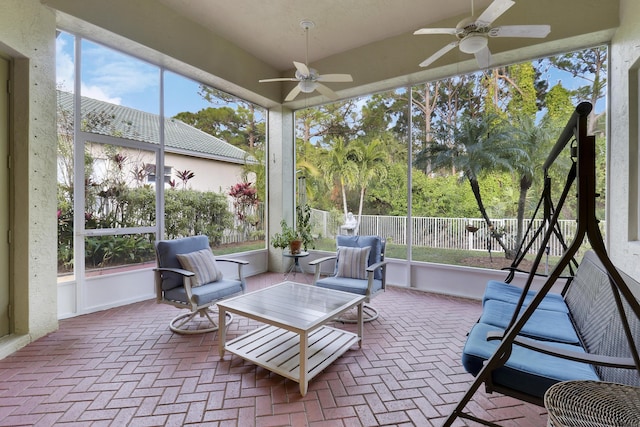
[{"x": 592, "y": 403}]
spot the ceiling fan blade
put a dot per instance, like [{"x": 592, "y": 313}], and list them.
[
  {"x": 483, "y": 57},
  {"x": 326, "y": 92},
  {"x": 302, "y": 68},
  {"x": 336, "y": 78},
  {"x": 438, "y": 54},
  {"x": 534, "y": 31},
  {"x": 452, "y": 31},
  {"x": 279, "y": 79},
  {"x": 491, "y": 13},
  {"x": 294, "y": 92}
]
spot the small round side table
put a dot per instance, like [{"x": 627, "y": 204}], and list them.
[{"x": 295, "y": 266}]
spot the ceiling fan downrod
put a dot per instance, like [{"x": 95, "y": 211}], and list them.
[{"x": 306, "y": 26}]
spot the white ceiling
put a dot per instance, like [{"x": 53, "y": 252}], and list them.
[
  {"x": 232, "y": 44},
  {"x": 270, "y": 29}
]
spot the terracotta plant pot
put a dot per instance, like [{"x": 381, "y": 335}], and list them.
[{"x": 295, "y": 246}]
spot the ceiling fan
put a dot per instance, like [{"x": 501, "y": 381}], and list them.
[
  {"x": 308, "y": 78},
  {"x": 473, "y": 33}
]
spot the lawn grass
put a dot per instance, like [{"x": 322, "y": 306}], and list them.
[
  {"x": 238, "y": 247},
  {"x": 426, "y": 254},
  {"x": 460, "y": 257}
]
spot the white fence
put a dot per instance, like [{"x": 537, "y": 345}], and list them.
[
  {"x": 444, "y": 233},
  {"x": 247, "y": 230}
]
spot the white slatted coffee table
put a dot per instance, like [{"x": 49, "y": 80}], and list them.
[{"x": 295, "y": 342}]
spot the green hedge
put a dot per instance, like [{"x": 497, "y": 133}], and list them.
[{"x": 187, "y": 213}]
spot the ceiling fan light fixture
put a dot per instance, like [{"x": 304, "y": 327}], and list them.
[
  {"x": 307, "y": 86},
  {"x": 473, "y": 43}
]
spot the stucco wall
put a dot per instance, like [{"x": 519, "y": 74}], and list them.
[
  {"x": 27, "y": 37},
  {"x": 622, "y": 240},
  {"x": 210, "y": 175}
]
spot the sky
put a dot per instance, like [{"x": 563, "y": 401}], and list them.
[{"x": 120, "y": 79}]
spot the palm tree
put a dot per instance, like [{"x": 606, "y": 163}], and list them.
[
  {"x": 476, "y": 146},
  {"x": 535, "y": 141},
  {"x": 371, "y": 164},
  {"x": 338, "y": 165}
]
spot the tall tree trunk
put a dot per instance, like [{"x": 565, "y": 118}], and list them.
[
  {"x": 525, "y": 185},
  {"x": 356, "y": 231},
  {"x": 344, "y": 198},
  {"x": 475, "y": 188}
]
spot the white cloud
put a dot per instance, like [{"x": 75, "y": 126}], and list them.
[
  {"x": 107, "y": 75},
  {"x": 118, "y": 75},
  {"x": 64, "y": 66},
  {"x": 96, "y": 92}
]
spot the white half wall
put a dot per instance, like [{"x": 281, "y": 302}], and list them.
[
  {"x": 113, "y": 290},
  {"x": 454, "y": 280}
]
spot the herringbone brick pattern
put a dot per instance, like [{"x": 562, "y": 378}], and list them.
[{"x": 123, "y": 366}]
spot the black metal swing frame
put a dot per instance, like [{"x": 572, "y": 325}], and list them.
[{"x": 582, "y": 175}]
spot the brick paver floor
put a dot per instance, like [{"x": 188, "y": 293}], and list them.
[{"x": 124, "y": 367}]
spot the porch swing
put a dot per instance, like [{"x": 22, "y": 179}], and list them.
[{"x": 527, "y": 341}]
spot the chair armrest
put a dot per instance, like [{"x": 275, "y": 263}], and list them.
[
  {"x": 180, "y": 271},
  {"x": 240, "y": 263},
  {"x": 321, "y": 260},
  {"x": 592, "y": 359},
  {"x": 317, "y": 263},
  {"x": 237, "y": 261},
  {"x": 186, "y": 280},
  {"x": 370, "y": 275},
  {"x": 377, "y": 265}
]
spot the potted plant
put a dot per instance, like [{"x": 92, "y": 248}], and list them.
[
  {"x": 303, "y": 223},
  {"x": 298, "y": 238},
  {"x": 288, "y": 238}
]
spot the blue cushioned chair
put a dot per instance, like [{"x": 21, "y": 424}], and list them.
[
  {"x": 373, "y": 280},
  {"x": 176, "y": 285}
]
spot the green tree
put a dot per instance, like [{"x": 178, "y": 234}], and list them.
[
  {"x": 317, "y": 130},
  {"x": 559, "y": 110},
  {"x": 589, "y": 65},
  {"x": 477, "y": 146},
  {"x": 244, "y": 126},
  {"x": 535, "y": 141},
  {"x": 522, "y": 88},
  {"x": 339, "y": 165},
  {"x": 526, "y": 134},
  {"x": 370, "y": 161}
]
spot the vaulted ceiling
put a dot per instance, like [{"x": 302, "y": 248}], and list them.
[{"x": 233, "y": 44}]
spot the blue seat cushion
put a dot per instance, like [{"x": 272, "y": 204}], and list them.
[
  {"x": 355, "y": 286},
  {"x": 543, "y": 324},
  {"x": 206, "y": 293},
  {"x": 510, "y": 293},
  {"x": 527, "y": 371}
]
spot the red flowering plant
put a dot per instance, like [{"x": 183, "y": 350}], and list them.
[{"x": 245, "y": 203}]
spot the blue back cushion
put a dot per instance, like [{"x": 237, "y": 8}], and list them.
[
  {"x": 166, "y": 251},
  {"x": 376, "y": 244}
]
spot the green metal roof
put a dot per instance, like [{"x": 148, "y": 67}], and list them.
[{"x": 138, "y": 125}]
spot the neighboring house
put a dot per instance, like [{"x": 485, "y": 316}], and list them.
[{"x": 216, "y": 164}]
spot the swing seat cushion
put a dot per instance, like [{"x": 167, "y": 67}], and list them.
[
  {"x": 584, "y": 320},
  {"x": 526, "y": 371}
]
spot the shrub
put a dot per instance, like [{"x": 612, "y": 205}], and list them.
[{"x": 187, "y": 213}]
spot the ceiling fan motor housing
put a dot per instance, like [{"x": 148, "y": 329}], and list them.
[
  {"x": 307, "y": 84},
  {"x": 473, "y": 43}
]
